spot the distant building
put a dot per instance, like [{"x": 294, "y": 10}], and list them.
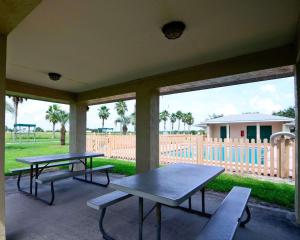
[{"x": 251, "y": 126}]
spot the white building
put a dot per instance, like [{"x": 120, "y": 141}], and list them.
[{"x": 251, "y": 126}]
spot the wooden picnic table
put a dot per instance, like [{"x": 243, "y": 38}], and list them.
[{"x": 170, "y": 186}]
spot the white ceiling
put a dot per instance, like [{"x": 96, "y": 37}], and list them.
[{"x": 95, "y": 43}]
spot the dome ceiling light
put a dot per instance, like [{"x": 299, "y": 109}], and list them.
[
  {"x": 173, "y": 30},
  {"x": 54, "y": 76}
]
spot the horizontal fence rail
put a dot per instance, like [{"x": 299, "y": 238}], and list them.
[{"x": 235, "y": 155}]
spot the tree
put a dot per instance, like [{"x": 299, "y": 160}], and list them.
[
  {"x": 124, "y": 121},
  {"x": 133, "y": 120},
  {"x": 52, "y": 115},
  {"x": 63, "y": 118},
  {"x": 179, "y": 117},
  {"x": 213, "y": 116},
  {"x": 184, "y": 120},
  {"x": 173, "y": 119},
  {"x": 189, "y": 120},
  {"x": 39, "y": 129},
  {"x": 103, "y": 113},
  {"x": 16, "y": 100},
  {"x": 121, "y": 108},
  {"x": 288, "y": 112},
  {"x": 9, "y": 108},
  {"x": 164, "y": 116}
]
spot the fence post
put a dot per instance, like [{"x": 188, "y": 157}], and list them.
[
  {"x": 287, "y": 144},
  {"x": 281, "y": 158}
]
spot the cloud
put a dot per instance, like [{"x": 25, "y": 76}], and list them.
[
  {"x": 227, "y": 109},
  {"x": 264, "y": 105},
  {"x": 268, "y": 87}
]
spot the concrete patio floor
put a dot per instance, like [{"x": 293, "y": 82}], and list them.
[{"x": 70, "y": 219}]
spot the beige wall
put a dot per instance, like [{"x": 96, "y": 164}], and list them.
[{"x": 235, "y": 129}]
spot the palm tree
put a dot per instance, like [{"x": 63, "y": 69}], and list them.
[
  {"x": 16, "y": 100},
  {"x": 9, "y": 108},
  {"x": 164, "y": 115},
  {"x": 63, "y": 118},
  {"x": 124, "y": 121},
  {"x": 121, "y": 108},
  {"x": 173, "y": 119},
  {"x": 103, "y": 113},
  {"x": 184, "y": 120},
  {"x": 52, "y": 116},
  {"x": 133, "y": 120},
  {"x": 179, "y": 117},
  {"x": 190, "y": 120}
]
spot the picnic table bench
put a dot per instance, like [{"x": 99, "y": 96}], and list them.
[
  {"x": 51, "y": 178},
  {"x": 20, "y": 171},
  {"x": 171, "y": 186},
  {"x": 39, "y": 163},
  {"x": 222, "y": 225}
]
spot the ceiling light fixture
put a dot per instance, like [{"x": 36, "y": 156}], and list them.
[
  {"x": 173, "y": 30},
  {"x": 54, "y": 76}
]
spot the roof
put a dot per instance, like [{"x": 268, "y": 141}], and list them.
[
  {"x": 251, "y": 117},
  {"x": 119, "y": 41},
  {"x": 24, "y": 125}
]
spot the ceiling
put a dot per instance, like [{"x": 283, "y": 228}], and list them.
[{"x": 98, "y": 43}]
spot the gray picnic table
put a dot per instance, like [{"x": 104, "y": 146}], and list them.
[
  {"x": 39, "y": 163},
  {"x": 169, "y": 186}
]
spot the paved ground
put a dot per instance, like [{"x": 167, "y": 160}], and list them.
[{"x": 71, "y": 219}]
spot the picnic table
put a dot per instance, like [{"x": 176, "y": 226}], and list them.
[
  {"x": 169, "y": 186},
  {"x": 39, "y": 163}
]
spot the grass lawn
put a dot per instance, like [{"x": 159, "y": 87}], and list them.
[
  {"x": 39, "y": 137},
  {"x": 13, "y": 151},
  {"x": 278, "y": 193}
]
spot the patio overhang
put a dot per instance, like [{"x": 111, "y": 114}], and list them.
[{"x": 108, "y": 51}]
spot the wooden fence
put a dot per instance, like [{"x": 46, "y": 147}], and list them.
[{"x": 235, "y": 155}]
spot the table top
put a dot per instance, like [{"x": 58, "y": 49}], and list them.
[
  {"x": 170, "y": 185},
  {"x": 57, "y": 157}
]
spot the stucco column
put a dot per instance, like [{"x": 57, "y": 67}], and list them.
[
  {"x": 257, "y": 132},
  {"x": 2, "y": 133},
  {"x": 78, "y": 129},
  {"x": 147, "y": 129},
  {"x": 208, "y": 134},
  {"x": 227, "y": 131},
  {"x": 297, "y": 145}
]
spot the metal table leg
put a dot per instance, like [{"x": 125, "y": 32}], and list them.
[
  {"x": 85, "y": 167},
  {"x": 141, "y": 216},
  {"x": 31, "y": 177},
  {"x": 158, "y": 220},
  {"x": 91, "y": 167},
  {"x": 203, "y": 199},
  {"x": 36, "y": 177}
]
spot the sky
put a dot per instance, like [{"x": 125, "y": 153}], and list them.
[{"x": 263, "y": 97}]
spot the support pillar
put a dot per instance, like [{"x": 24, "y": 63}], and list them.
[
  {"x": 77, "y": 130},
  {"x": 227, "y": 131},
  {"x": 257, "y": 132},
  {"x": 2, "y": 133},
  {"x": 147, "y": 129},
  {"x": 297, "y": 145},
  {"x": 208, "y": 134}
]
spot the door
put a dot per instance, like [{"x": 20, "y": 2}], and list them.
[
  {"x": 223, "y": 132},
  {"x": 251, "y": 132},
  {"x": 265, "y": 132}
]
